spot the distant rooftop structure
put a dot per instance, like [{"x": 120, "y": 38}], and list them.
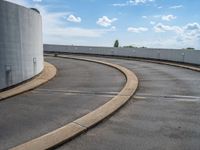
[{"x": 35, "y": 10}]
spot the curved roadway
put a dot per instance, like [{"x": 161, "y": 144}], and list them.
[
  {"x": 78, "y": 88},
  {"x": 163, "y": 115}
]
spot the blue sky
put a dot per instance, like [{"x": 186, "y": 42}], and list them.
[{"x": 149, "y": 23}]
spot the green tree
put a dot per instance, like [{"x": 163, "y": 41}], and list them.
[
  {"x": 130, "y": 46},
  {"x": 190, "y": 48},
  {"x": 116, "y": 44}
]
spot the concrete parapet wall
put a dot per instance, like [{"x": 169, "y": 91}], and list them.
[
  {"x": 186, "y": 56},
  {"x": 21, "y": 46}
]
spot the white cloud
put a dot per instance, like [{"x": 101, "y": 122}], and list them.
[
  {"x": 19, "y": 2},
  {"x": 144, "y": 17},
  {"x": 132, "y": 3},
  {"x": 74, "y": 19},
  {"x": 192, "y": 27},
  {"x": 56, "y": 31},
  {"x": 120, "y": 4},
  {"x": 113, "y": 28},
  {"x": 152, "y": 22},
  {"x": 168, "y": 17},
  {"x": 189, "y": 29},
  {"x": 176, "y": 6},
  {"x": 137, "y": 30},
  {"x": 165, "y": 17},
  {"x": 37, "y": 0},
  {"x": 105, "y": 21},
  {"x": 77, "y": 32},
  {"x": 191, "y": 35},
  {"x": 188, "y": 35},
  {"x": 192, "y": 30},
  {"x": 163, "y": 28},
  {"x": 136, "y": 2}
]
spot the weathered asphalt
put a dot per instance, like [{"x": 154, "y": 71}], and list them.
[
  {"x": 78, "y": 88},
  {"x": 163, "y": 115}
]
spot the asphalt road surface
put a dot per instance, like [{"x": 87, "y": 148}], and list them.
[
  {"x": 163, "y": 115},
  {"x": 78, "y": 88}
]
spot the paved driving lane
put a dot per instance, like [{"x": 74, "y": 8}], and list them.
[
  {"x": 163, "y": 115},
  {"x": 78, "y": 88}
]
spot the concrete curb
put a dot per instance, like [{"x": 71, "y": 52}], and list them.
[
  {"x": 172, "y": 64},
  {"x": 165, "y": 62},
  {"x": 47, "y": 74},
  {"x": 82, "y": 124}
]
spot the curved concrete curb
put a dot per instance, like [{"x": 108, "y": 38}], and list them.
[
  {"x": 47, "y": 74},
  {"x": 185, "y": 66},
  {"x": 84, "y": 123}
]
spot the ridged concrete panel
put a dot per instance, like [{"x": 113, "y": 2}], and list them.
[
  {"x": 177, "y": 55},
  {"x": 21, "y": 46}
]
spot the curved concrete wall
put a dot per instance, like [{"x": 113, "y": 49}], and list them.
[
  {"x": 186, "y": 56},
  {"x": 21, "y": 47}
]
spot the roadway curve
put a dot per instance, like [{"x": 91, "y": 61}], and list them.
[
  {"x": 163, "y": 115},
  {"x": 78, "y": 88}
]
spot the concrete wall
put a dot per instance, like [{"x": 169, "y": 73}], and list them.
[
  {"x": 21, "y": 46},
  {"x": 186, "y": 56}
]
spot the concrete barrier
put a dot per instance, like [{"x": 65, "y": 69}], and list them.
[
  {"x": 21, "y": 46},
  {"x": 176, "y": 55}
]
